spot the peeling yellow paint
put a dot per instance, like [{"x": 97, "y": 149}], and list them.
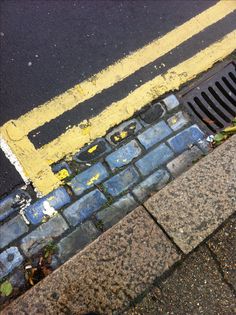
[
  {"x": 122, "y": 135},
  {"x": 94, "y": 148},
  {"x": 174, "y": 120},
  {"x": 123, "y": 68},
  {"x": 36, "y": 163},
  {"x": 62, "y": 174},
  {"x": 72, "y": 140},
  {"x": 51, "y": 198},
  {"x": 93, "y": 179}
]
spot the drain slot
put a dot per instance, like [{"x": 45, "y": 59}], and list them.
[{"x": 212, "y": 100}]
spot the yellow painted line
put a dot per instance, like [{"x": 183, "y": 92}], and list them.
[
  {"x": 34, "y": 167},
  {"x": 75, "y": 138},
  {"x": 123, "y": 68}
]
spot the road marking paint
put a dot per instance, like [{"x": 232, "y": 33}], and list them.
[
  {"x": 34, "y": 164},
  {"x": 75, "y": 138},
  {"x": 33, "y": 167},
  {"x": 123, "y": 68}
]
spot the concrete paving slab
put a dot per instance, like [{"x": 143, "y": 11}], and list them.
[
  {"x": 195, "y": 204},
  {"x": 105, "y": 276},
  {"x": 194, "y": 288}
]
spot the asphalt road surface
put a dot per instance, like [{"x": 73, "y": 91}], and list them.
[{"x": 49, "y": 46}]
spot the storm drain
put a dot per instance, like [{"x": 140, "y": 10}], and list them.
[{"x": 212, "y": 100}]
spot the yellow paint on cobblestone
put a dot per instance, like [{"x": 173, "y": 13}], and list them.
[
  {"x": 94, "y": 148},
  {"x": 72, "y": 140},
  {"x": 123, "y": 68},
  {"x": 93, "y": 179},
  {"x": 36, "y": 163},
  {"x": 122, "y": 135},
  {"x": 62, "y": 174}
]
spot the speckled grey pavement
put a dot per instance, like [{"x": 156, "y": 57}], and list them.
[
  {"x": 223, "y": 248},
  {"x": 104, "y": 277},
  {"x": 195, "y": 204},
  {"x": 195, "y": 287}
]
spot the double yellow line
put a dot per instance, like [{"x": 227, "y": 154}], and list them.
[{"x": 36, "y": 163}]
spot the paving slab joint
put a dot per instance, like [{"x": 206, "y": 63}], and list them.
[
  {"x": 214, "y": 256},
  {"x": 178, "y": 249}
]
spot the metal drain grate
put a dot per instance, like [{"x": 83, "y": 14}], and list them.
[{"x": 212, "y": 100}]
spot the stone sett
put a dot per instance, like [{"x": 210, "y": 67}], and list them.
[
  {"x": 18, "y": 282},
  {"x": 83, "y": 208},
  {"x": 152, "y": 160},
  {"x": 9, "y": 260},
  {"x": 13, "y": 203},
  {"x": 87, "y": 179},
  {"x": 185, "y": 138},
  {"x": 121, "y": 182},
  {"x": 124, "y": 155},
  {"x": 42, "y": 235},
  {"x": 119, "y": 209},
  {"x": 205, "y": 146},
  {"x": 11, "y": 230},
  {"x": 154, "y": 134},
  {"x": 77, "y": 240},
  {"x": 123, "y": 131},
  {"x": 56, "y": 200},
  {"x": 191, "y": 207},
  {"x": 93, "y": 151},
  {"x": 152, "y": 114},
  {"x": 171, "y": 102},
  {"x": 107, "y": 274},
  {"x": 177, "y": 121},
  {"x": 62, "y": 170},
  {"x": 154, "y": 182},
  {"x": 184, "y": 161}
]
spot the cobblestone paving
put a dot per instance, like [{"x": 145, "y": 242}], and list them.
[{"x": 102, "y": 183}]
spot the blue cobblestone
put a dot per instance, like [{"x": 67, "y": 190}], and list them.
[
  {"x": 9, "y": 260},
  {"x": 56, "y": 199},
  {"x": 121, "y": 182},
  {"x": 205, "y": 146},
  {"x": 154, "y": 159},
  {"x": 43, "y": 234},
  {"x": 13, "y": 203},
  {"x": 154, "y": 134},
  {"x": 183, "y": 161},
  {"x": 83, "y": 208},
  {"x": 12, "y": 230},
  {"x": 61, "y": 166},
  {"x": 93, "y": 151},
  {"x": 123, "y": 131},
  {"x": 182, "y": 140},
  {"x": 153, "y": 183},
  {"x": 85, "y": 180},
  {"x": 171, "y": 102},
  {"x": 84, "y": 234},
  {"x": 177, "y": 121},
  {"x": 124, "y": 155},
  {"x": 111, "y": 215},
  {"x": 152, "y": 114}
]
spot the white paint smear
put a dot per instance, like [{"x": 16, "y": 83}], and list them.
[{"x": 12, "y": 158}]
